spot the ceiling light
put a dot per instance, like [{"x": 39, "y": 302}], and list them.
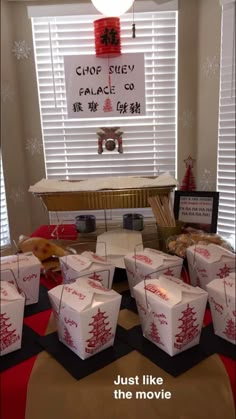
[{"x": 112, "y": 8}]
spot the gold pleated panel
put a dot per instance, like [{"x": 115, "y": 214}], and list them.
[{"x": 95, "y": 200}]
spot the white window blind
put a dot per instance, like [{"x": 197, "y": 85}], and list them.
[
  {"x": 226, "y": 134},
  {"x": 5, "y": 236},
  {"x": 71, "y": 145},
  {"x": 149, "y": 142}
]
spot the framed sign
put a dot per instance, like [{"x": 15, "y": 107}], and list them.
[
  {"x": 198, "y": 209},
  {"x": 98, "y": 87}
]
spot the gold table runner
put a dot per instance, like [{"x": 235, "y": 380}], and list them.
[{"x": 203, "y": 392}]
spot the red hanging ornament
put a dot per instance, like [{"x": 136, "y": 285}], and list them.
[
  {"x": 107, "y": 37},
  {"x": 110, "y": 136}
]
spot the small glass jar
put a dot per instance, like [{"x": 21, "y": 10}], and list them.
[
  {"x": 85, "y": 223},
  {"x": 133, "y": 222}
]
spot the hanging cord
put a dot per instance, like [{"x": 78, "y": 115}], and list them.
[
  {"x": 195, "y": 263},
  {"x": 60, "y": 302},
  {"x": 109, "y": 76},
  {"x": 51, "y": 53},
  {"x": 137, "y": 274},
  {"x": 133, "y": 24},
  {"x": 14, "y": 279},
  {"x": 105, "y": 249},
  {"x": 226, "y": 301},
  {"x": 65, "y": 268}
]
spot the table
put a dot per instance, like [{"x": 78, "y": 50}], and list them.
[{"x": 40, "y": 388}]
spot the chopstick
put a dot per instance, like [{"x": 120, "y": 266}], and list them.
[{"x": 162, "y": 212}]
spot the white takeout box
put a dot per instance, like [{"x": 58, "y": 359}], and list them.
[
  {"x": 24, "y": 272},
  {"x": 12, "y": 312},
  {"x": 87, "y": 264},
  {"x": 207, "y": 262},
  {"x": 86, "y": 315},
  {"x": 151, "y": 263},
  {"x": 117, "y": 243},
  {"x": 171, "y": 313},
  {"x": 223, "y": 309}
]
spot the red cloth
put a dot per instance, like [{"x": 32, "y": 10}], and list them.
[
  {"x": 63, "y": 232},
  {"x": 14, "y": 381},
  {"x": 38, "y": 322},
  {"x": 51, "y": 280}
]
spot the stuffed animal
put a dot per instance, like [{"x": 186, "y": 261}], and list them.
[{"x": 41, "y": 248}]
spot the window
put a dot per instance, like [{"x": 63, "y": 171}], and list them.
[
  {"x": 226, "y": 135},
  {"x": 150, "y": 141},
  {"x": 5, "y": 236}
]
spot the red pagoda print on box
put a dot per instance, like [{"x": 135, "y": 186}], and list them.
[
  {"x": 189, "y": 331},
  {"x": 204, "y": 252},
  {"x": 97, "y": 286},
  {"x": 68, "y": 338},
  {"x": 101, "y": 333},
  {"x": 169, "y": 272},
  {"x": 143, "y": 258},
  {"x": 154, "y": 334},
  {"x": 7, "y": 336},
  {"x": 95, "y": 277},
  {"x": 230, "y": 330},
  {"x": 223, "y": 272}
]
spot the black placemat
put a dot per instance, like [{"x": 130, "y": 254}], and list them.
[
  {"x": 42, "y": 305},
  {"x": 120, "y": 275},
  {"x": 176, "y": 365},
  {"x": 79, "y": 368},
  {"x": 128, "y": 302},
  {"x": 29, "y": 348},
  {"x": 215, "y": 344},
  {"x": 123, "y": 303}
]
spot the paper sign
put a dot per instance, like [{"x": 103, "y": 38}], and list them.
[
  {"x": 98, "y": 87},
  {"x": 196, "y": 209}
]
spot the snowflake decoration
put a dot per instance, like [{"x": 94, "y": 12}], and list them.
[
  {"x": 210, "y": 66},
  {"x": 34, "y": 146},
  {"x": 223, "y": 272},
  {"x": 17, "y": 195},
  {"x": 7, "y": 93},
  {"x": 207, "y": 183},
  {"x": 187, "y": 119},
  {"x": 21, "y": 50}
]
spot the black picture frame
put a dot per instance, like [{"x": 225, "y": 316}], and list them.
[{"x": 200, "y": 204}]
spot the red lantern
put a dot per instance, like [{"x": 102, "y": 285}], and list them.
[{"x": 107, "y": 37}]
